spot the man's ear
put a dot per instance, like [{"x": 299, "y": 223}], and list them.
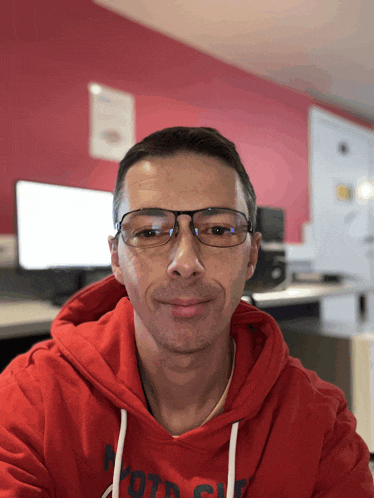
[
  {"x": 253, "y": 255},
  {"x": 113, "y": 247}
]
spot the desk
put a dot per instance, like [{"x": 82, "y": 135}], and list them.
[{"x": 19, "y": 318}]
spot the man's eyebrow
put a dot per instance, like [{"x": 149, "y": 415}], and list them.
[{"x": 152, "y": 211}]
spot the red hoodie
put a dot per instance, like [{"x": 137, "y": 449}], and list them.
[{"x": 283, "y": 433}]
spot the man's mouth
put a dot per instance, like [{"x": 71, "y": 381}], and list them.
[
  {"x": 186, "y": 302},
  {"x": 186, "y": 308}
]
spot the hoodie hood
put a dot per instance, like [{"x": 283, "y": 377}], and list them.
[{"x": 95, "y": 332}]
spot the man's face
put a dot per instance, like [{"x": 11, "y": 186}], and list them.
[{"x": 183, "y": 268}]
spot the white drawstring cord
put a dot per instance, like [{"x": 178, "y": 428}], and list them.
[
  {"x": 232, "y": 450},
  {"x": 121, "y": 444},
  {"x": 119, "y": 453}
]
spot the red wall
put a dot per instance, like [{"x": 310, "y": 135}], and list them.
[{"x": 53, "y": 49}]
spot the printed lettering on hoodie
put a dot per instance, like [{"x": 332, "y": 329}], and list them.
[{"x": 142, "y": 485}]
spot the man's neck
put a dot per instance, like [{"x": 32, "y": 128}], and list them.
[{"x": 182, "y": 390}]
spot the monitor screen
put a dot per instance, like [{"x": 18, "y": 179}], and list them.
[{"x": 62, "y": 227}]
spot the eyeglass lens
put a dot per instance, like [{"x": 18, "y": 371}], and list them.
[{"x": 218, "y": 228}]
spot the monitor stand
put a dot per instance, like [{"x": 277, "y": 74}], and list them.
[{"x": 60, "y": 298}]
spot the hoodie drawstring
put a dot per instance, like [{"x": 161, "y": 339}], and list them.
[
  {"x": 121, "y": 444},
  {"x": 119, "y": 453},
  {"x": 232, "y": 453}
]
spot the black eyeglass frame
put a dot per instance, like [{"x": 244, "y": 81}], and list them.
[{"x": 175, "y": 230}]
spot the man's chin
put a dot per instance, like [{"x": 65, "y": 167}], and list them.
[{"x": 183, "y": 348}]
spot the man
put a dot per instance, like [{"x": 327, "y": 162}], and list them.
[{"x": 159, "y": 381}]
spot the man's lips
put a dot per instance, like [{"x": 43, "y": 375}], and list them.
[
  {"x": 186, "y": 308},
  {"x": 186, "y": 302}
]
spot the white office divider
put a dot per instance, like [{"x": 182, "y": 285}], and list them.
[
  {"x": 362, "y": 350},
  {"x": 340, "y": 308},
  {"x": 341, "y": 165},
  {"x": 355, "y": 306}
]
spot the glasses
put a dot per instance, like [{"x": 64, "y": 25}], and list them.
[{"x": 152, "y": 227}]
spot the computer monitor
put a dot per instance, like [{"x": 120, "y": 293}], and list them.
[{"x": 61, "y": 227}]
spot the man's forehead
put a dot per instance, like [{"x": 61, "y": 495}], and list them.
[
  {"x": 181, "y": 161},
  {"x": 180, "y": 181},
  {"x": 182, "y": 168}
]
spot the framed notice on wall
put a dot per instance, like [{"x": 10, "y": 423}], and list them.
[{"x": 112, "y": 122}]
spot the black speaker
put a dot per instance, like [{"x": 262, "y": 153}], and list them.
[
  {"x": 270, "y": 222},
  {"x": 271, "y": 269}
]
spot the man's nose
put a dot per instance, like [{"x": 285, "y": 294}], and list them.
[{"x": 185, "y": 254}]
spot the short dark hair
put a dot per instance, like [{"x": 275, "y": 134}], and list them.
[{"x": 170, "y": 141}]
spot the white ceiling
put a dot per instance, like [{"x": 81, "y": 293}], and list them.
[{"x": 322, "y": 47}]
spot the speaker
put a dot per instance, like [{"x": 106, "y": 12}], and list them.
[
  {"x": 270, "y": 222},
  {"x": 271, "y": 269}
]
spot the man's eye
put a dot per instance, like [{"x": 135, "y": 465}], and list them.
[
  {"x": 219, "y": 230},
  {"x": 147, "y": 233}
]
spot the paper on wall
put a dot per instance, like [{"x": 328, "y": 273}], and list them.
[{"x": 112, "y": 122}]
